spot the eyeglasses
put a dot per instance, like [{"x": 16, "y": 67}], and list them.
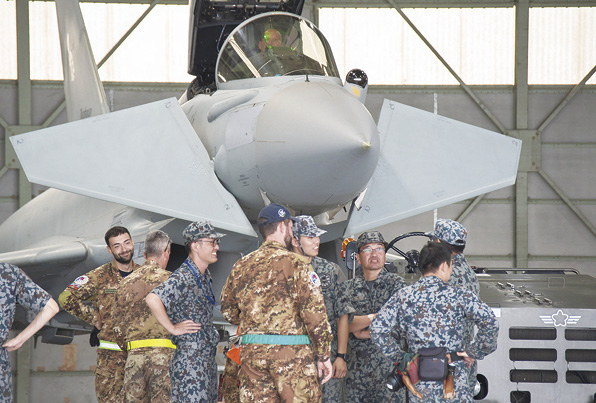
[
  {"x": 371, "y": 250},
  {"x": 212, "y": 242}
]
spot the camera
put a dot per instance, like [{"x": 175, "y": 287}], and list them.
[{"x": 393, "y": 381}]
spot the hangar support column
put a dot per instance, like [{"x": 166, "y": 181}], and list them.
[{"x": 522, "y": 17}]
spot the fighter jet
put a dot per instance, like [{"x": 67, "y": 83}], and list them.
[{"x": 268, "y": 119}]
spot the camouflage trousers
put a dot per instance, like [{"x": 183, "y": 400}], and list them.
[
  {"x": 334, "y": 389},
  {"x": 231, "y": 388},
  {"x": 109, "y": 376},
  {"x": 433, "y": 391},
  {"x": 5, "y": 377},
  {"x": 273, "y": 373},
  {"x": 147, "y": 375},
  {"x": 365, "y": 380},
  {"x": 193, "y": 374}
]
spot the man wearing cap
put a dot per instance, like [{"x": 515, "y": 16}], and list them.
[
  {"x": 147, "y": 370},
  {"x": 363, "y": 297},
  {"x": 99, "y": 287},
  {"x": 183, "y": 304},
  {"x": 306, "y": 242},
  {"x": 431, "y": 313},
  {"x": 454, "y": 235},
  {"x": 276, "y": 299}
]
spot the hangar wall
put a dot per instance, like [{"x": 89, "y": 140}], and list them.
[{"x": 556, "y": 236}]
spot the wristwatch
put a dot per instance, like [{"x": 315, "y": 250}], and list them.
[{"x": 341, "y": 355}]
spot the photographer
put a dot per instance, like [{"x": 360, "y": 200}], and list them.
[{"x": 431, "y": 313}]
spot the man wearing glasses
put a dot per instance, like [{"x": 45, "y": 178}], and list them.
[
  {"x": 363, "y": 297},
  {"x": 183, "y": 304}
]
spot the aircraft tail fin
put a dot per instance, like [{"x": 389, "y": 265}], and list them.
[
  {"x": 85, "y": 96},
  {"x": 429, "y": 161}
]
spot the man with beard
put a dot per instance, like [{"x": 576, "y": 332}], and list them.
[
  {"x": 183, "y": 304},
  {"x": 275, "y": 297},
  {"x": 99, "y": 287}
]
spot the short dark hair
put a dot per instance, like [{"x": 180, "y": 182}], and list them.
[
  {"x": 156, "y": 242},
  {"x": 433, "y": 255},
  {"x": 114, "y": 232},
  {"x": 267, "y": 229}
]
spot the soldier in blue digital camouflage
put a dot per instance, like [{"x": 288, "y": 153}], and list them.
[
  {"x": 362, "y": 297},
  {"x": 454, "y": 235},
  {"x": 147, "y": 370},
  {"x": 275, "y": 297},
  {"x": 431, "y": 313},
  {"x": 306, "y": 242},
  {"x": 16, "y": 288},
  {"x": 90, "y": 298},
  {"x": 183, "y": 304}
]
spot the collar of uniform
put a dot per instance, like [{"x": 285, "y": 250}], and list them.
[
  {"x": 114, "y": 266},
  {"x": 432, "y": 279},
  {"x": 150, "y": 262},
  {"x": 273, "y": 244},
  {"x": 458, "y": 258}
]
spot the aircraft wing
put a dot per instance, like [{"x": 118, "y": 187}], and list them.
[
  {"x": 148, "y": 157},
  {"x": 429, "y": 161}
]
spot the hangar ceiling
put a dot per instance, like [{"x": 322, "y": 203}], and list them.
[{"x": 547, "y": 219}]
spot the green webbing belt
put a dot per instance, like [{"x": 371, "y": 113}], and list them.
[{"x": 279, "y": 339}]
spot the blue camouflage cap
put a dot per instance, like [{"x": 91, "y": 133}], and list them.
[
  {"x": 305, "y": 226},
  {"x": 450, "y": 232},
  {"x": 198, "y": 230},
  {"x": 273, "y": 213},
  {"x": 370, "y": 237}
]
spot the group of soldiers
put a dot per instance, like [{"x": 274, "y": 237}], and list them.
[{"x": 305, "y": 332}]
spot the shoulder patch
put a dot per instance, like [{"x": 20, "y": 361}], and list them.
[
  {"x": 314, "y": 279},
  {"x": 78, "y": 282}
]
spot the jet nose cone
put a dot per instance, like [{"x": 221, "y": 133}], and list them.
[{"x": 317, "y": 146}]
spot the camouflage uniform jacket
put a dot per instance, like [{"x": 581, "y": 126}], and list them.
[
  {"x": 17, "y": 288},
  {"x": 185, "y": 298},
  {"x": 99, "y": 287},
  {"x": 463, "y": 275},
  {"x": 131, "y": 316},
  {"x": 274, "y": 291},
  {"x": 360, "y": 299},
  {"x": 430, "y": 313},
  {"x": 331, "y": 277}
]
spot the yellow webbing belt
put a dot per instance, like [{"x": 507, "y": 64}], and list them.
[{"x": 150, "y": 343}]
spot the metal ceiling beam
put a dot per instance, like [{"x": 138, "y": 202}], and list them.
[
  {"x": 466, "y": 87},
  {"x": 62, "y": 105}
]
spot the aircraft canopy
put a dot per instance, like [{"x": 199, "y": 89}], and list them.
[{"x": 275, "y": 44}]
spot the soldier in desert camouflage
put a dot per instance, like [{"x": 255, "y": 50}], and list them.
[
  {"x": 147, "y": 370},
  {"x": 99, "y": 287},
  {"x": 275, "y": 297}
]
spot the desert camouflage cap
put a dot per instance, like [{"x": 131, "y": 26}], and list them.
[
  {"x": 450, "y": 232},
  {"x": 305, "y": 226},
  {"x": 198, "y": 230},
  {"x": 370, "y": 237}
]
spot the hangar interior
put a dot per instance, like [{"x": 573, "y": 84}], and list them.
[{"x": 546, "y": 220}]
